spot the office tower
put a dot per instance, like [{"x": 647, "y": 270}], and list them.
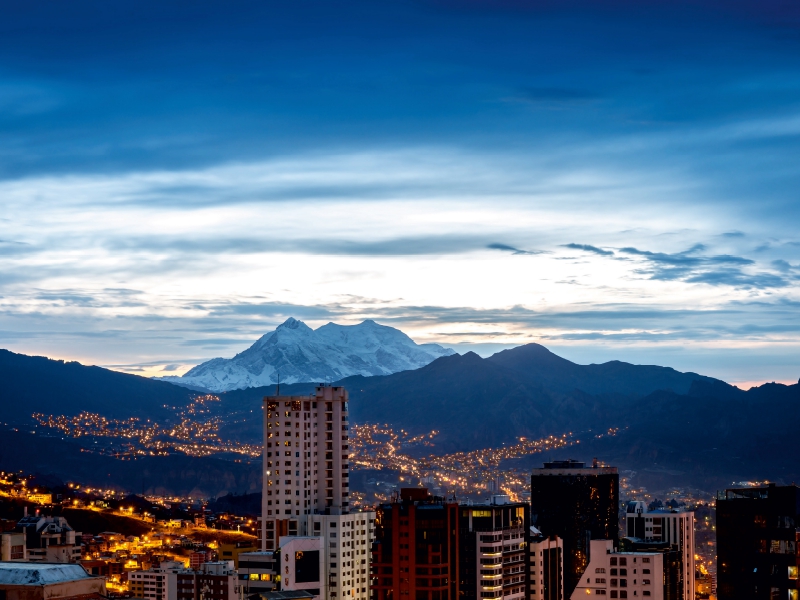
[
  {"x": 546, "y": 573},
  {"x": 758, "y": 529},
  {"x": 612, "y": 574},
  {"x": 492, "y": 549},
  {"x": 306, "y": 489},
  {"x": 415, "y": 552},
  {"x": 663, "y": 529},
  {"x": 577, "y": 504}
]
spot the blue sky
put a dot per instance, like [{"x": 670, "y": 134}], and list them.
[{"x": 609, "y": 179}]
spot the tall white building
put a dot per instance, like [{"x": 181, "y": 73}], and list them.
[
  {"x": 663, "y": 527},
  {"x": 546, "y": 563},
  {"x": 306, "y": 487}
]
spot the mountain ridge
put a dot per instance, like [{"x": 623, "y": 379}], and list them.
[{"x": 700, "y": 428}]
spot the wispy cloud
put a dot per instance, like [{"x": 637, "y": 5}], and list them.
[
  {"x": 588, "y": 248},
  {"x": 512, "y": 249},
  {"x": 692, "y": 266}
]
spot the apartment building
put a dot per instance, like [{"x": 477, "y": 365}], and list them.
[{"x": 493, "y": 556}]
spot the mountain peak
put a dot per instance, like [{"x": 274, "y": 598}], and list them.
[
  {"x": 301, "y": 354},
  {"x": 292, "y": 323}
]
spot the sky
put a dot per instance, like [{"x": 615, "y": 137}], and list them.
[{"x": 611, "y": 179}]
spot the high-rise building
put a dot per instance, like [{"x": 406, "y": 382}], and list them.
[
  {"x": 415, "y": 554},
  {"x": 306, "y": 490},
  {"x": 578, "y": 504},
  {"x": 663, "y": 529},
  {"x": 612, "y": 574},
  {"x": 758, "y": 534},
  {"x": 493, "y": 552},
  {"x": 306, "y": 461}
]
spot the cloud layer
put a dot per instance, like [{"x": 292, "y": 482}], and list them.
[{"x": 174, "y": 184}]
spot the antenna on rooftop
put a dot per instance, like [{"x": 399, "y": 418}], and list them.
[{"x": 278, "y": 385}]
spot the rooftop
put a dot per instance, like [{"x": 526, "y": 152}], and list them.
[
  {"x": 288, "y": 595},
  {"x": 20, "y": 573}
]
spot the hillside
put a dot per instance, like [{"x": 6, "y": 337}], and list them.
[{"x": 53, "y": 387}]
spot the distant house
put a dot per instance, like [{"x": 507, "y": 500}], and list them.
[{"x": 50, "y": 539}]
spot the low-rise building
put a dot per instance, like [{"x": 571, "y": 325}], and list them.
[
  {"x": 156, "y": 583},
  {"x": 213, "y": 581},
  {"x": 259, "y": 572},
  {"x": 42, "y": 581},
  {"x": 232, "y": 551}
]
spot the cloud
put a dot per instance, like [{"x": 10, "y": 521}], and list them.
[
  {"x": 399, "y": 246},
  {"x": 512, "y": 249},
  {"x": 691, "y": 266},
  {"x": 733, "y": 234},
  {"x": 588, "y": 248},
  {"x": 785, "y": 266}
]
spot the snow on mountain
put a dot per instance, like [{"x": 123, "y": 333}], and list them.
[{"x": 302, "y": 354}]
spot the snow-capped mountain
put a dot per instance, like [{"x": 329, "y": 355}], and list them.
[{"x": 302, "y": 354}]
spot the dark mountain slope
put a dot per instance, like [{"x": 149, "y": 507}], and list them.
[
  {"x": 472, "y": 402},
  {"x": 712, "y": 438},
  {"x": 555, "y": 373},
  {"x": 53, "y": 387}
]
